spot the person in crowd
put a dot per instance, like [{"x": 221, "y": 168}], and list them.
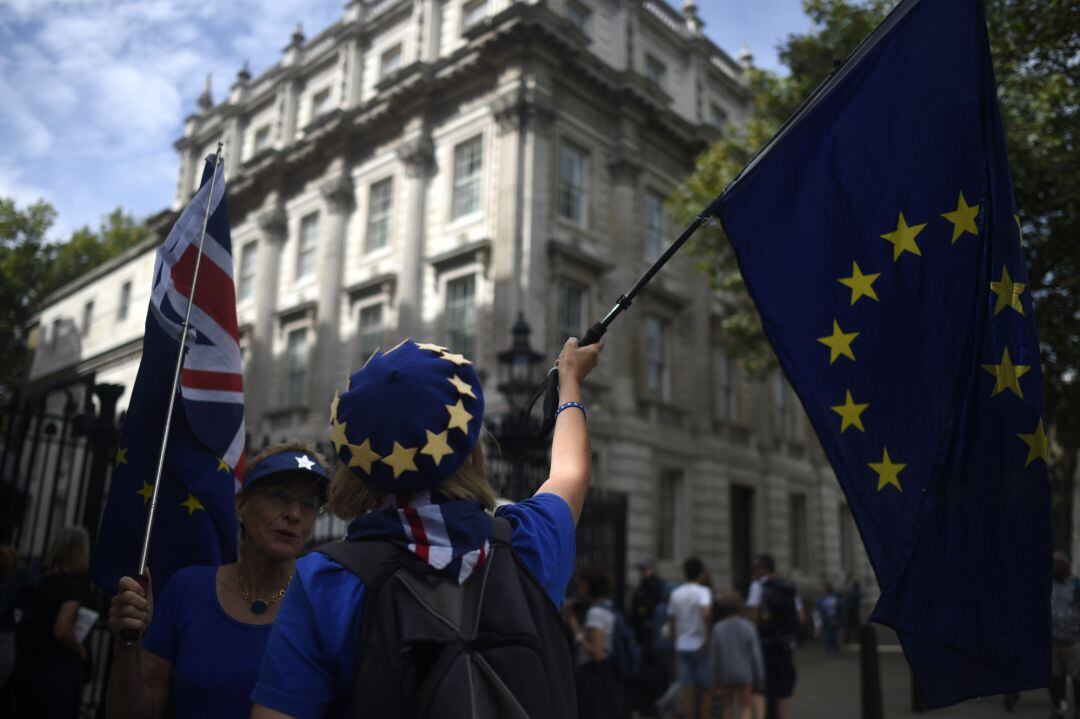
[
  {"x": 599, "y": 690},
  {"x": 202, "y": 644},
  {"x": 852, "y": 608},
  {"x": 690, "y": 614},
  {"x": 47, "y": 679},
  {"x": 736, "y": 660},
  {"x": 649, "y": 596},
  {"x": 413, "y": 483},
  {"x": 777, "y": 610},
  {"x": 10, "y": 563},
  {"x": 1064, "y": 632},
  {"x": 829, "y": 610}
]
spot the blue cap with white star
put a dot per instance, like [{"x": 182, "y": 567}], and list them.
[
  {"x": 410, "y": 417},
  {"x": 292, "y": 461}
]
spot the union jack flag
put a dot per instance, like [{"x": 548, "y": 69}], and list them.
[{"x": 195, "y": 521}]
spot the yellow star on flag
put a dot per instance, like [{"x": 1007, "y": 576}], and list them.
[
  {"x": 463, "y": 387},
  {"x": 963, "y": 218},
  {"x": 439, "y": 349},
  {"x": 1038, "y": 444},
  {"x": 849, "y": 412},
  {"x": 1008, "y": 292},
  {"x": 456, "y": 359},
  {"x": 459, "y": 417},
  {"x": 222, "y": 465},
  {"x": 1007, "y": 375},
  {"x": 861, "y": 285},
  {"x": 333, "y": 407},
  {"x": 121, "y": 456},
  {"x": 903, "y": 238},
  {"x": 192, "y": 503},
  {"x": 146, "y": 492},
  {"x": 436, "y": 446},
  {"x": 362, "y": 455},
  {"x": 337, "y": 434},
  {"x": 402, "y": 459},
  {"x": 839, "y": 343},
  {"x": 888, "y": 472}
]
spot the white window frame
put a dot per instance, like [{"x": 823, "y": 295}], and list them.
[
  {"x": 446, "y": 282},
  {"x": 654, "y": 357},
  {"x": 391, "y": 60},
  {"x": 573, "y": 197},
  {"x": 363, "y": 353},
  {"x": 245, "y": 280},
  {"x": 87, "y": 318},
  {"x": 296, "y": 395},
  {"x": 655, "y": 70},
  {"x": 321, "y": 101},
  {"x": 718, "y": 117},
  {"x": 670, "y": 513},
  {"x": 563, "y": 327},
  {"x": 380, "y": 213},
  {"x": 261, "y": 138},
  {"x": 307, "y": 246},
  {"x": 472, "y": 13},
  {"x": 467, "y": 195},
  {"x": 124, "y": 305}
]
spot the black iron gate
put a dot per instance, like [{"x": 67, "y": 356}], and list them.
[{"x": 55, "y": 466}]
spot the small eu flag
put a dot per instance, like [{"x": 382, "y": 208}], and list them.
[
  {"x": 879, "y": 240},
  {"x": 194, "y": 520}
]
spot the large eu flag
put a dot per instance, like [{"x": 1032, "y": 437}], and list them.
[
  {"x": 195, "y": 521},
  {"x": 878, "y": 237}
]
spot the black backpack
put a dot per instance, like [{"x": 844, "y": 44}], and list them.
[
  {"x": 494, "y": 646},
  {"x": 779, "y": 617}
]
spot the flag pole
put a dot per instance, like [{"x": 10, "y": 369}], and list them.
[{"x": 176, "y": 372}]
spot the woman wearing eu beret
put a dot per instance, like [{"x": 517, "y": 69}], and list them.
[
  {"x": 412, "y": 475},
  {"x": 202, "y": 644}
]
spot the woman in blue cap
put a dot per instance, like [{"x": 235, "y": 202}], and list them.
[
  {"x": 412, "y": 476},
  {"x": 202, "y": 644}
]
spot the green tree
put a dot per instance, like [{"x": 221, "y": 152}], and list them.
[
  {"x": 1034, "y": 44},
  {"x": 31, "y": 267}
]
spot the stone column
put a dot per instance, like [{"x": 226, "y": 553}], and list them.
[
  {"x": 418, "y": 155},
  {"x": 625, "y": 239},
  {"x": 260, "y": 378},
  {"x": 329, "y": 360}
]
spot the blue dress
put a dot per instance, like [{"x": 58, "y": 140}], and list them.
[
  {"x": 310, "y": 664},
  {"x": 215, "y": 658}
]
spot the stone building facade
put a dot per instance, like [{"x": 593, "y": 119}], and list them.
[{"x": 433, "y": 168}]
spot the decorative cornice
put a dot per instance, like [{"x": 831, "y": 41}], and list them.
[
  {"x": 418, "y": 154},
  {"x": 523, "y": 112},
  {"x": 273, "y": 222},
  {"x": 625, "y": 169},
  {"x": 339, "y": 193}
]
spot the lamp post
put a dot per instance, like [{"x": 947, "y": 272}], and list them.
[{"x": 524, "y": 456}]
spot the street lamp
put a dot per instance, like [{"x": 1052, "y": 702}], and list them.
[
  {"x": 518, "y": 369},
  {"x": 522, "y": 459}
]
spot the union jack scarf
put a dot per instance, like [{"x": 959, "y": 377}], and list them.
[{"x": 451, "y": 536}]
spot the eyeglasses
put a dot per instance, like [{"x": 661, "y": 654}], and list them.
[{"x": 284, "y": 498}]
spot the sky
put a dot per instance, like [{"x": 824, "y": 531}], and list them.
[{"x": 93, "y": 93}]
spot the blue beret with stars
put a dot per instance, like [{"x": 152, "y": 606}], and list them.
[{"x": 410, "y": 417}]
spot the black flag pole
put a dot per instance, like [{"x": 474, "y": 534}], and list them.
[
  {"x": 549, "y": 388},
  {"x": 130, "y": 637}
]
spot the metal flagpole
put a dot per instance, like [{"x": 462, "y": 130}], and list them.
[{"x": 176, "y": 372}]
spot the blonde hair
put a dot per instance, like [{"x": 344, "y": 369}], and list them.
[
  {"x": 69, "y": 552},
  {"x": 351, "y": 496},
  {"x": 293, "y": 445}
]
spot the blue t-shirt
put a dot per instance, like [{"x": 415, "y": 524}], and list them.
[
  {"x": 215, "y": 658},
  {"x": 309, "y": 668}
]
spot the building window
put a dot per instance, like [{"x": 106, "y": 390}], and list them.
[
  {"x": 320, "y": 102},
  {"x": 309, "y": 242},
  {"x": 296, "y": 362},
  {"x": 570, "y": 310},
  {"x": 87, "y": 317},
  {"x": 668, "y": 500},
  {"x": 461, "y": 315},
  {"x": 378, "y": 225},
  {"x": 798, "y": 521},
  {"x": 468, "y": 158},
  {"x": 246, "y": 287},
  {"x": 390, "y": 61},
  {"x": 573, "y": 184},
  {"x": 718, "y": 117},
  {"x": 724, "y": 383},
  {"x": 369, "y": 331},
  {"x": 654, "y": 71},
  {"x": 262, "y": 139},
  {"x": 125, "y": 301},
  {"x": 654, "y": 225},
  {"x": 781, "y": 405},
  {"x": 472, "y": 12},
  {"x": 578, "y": 14},
  {"x": 657, "y": 367},
  {"x": 54, "y": 340}
]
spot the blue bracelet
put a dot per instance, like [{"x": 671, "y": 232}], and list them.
[{"x": 568, "y": 405}]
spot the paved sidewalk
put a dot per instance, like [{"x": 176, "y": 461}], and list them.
[{"x": 828, "y": 688}]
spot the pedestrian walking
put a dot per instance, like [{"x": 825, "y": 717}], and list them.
[
  {"x": 1065, "y": 633},
  {"x": 655, "y": 675},
  {"x": 736, "y": 658},
  {"x": 600, "y": 691},
  {"x": 829, "y": 610},
  {"x": 690, "y": 615},
  {"x": 777, "y": 610}
]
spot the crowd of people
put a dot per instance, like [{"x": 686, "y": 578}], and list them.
[{"x": 438, "y": 602}]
